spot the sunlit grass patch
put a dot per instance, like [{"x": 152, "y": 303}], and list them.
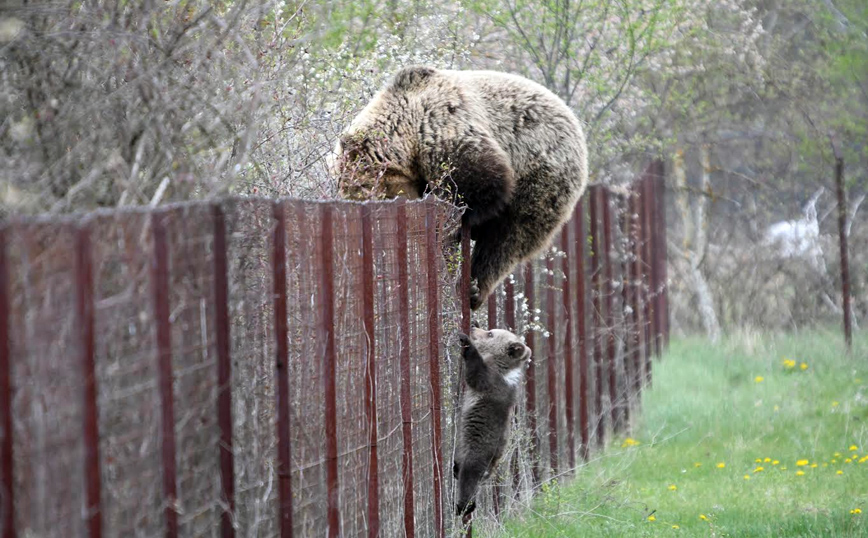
[{"x": 717, "y": 452}]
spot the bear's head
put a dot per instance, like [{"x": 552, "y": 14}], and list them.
[
  {"x": 386, "y": 151},
  {"x": 500, "y": 348}
]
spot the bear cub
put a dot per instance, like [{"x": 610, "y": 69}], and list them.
[{"x": 493, "y": 368}]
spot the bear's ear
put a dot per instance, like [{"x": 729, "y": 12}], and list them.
[{"x": 412, "y": 77}]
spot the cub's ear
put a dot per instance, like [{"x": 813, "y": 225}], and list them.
[
  {"x": 474, "y": 324},
  {"x": 516, "y": 350},
  {"x": 411, "y": 77}
]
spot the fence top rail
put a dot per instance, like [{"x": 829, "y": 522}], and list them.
[{"x": 80, "y": 218}]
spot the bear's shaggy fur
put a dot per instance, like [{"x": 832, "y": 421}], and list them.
[
  {"x": 510, "y": 150},
  {"x": 493, "y": 368}
]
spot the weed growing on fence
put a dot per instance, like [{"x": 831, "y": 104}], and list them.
[{"x": 794, "y": 448}]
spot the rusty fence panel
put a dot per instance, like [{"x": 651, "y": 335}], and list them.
[{"x": 288, "y": 368}]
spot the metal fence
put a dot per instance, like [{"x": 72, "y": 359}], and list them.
[{"x": 289, "y": 368}]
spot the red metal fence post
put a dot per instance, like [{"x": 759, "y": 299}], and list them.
[
  {"x": 281, "y": 331},
  {"x": 647, "y": 298},
  {"x": 608, "y": 286},
  {"x": 663, "y": 250},
  {"x": 465, "y": 278},
  {"x": 371, "y": 370},
  {"x": 581, "y": 317},
  {"x": 567, "y": 296},
  {"x": 160, "y": 285},
  {"x": 597, "y": 314},
  {"x": 7, "y": 489},
  {"x": 551, "y": 366},
  {"x": 431, "y": 252},
  {"x": 531, "y": 376},
  {"x": 406, "y": 400},
  {"x": 636, "y": 303},
  {"x": 623, "y": 267},
  {"x": 224, "y": 371},
  {"x": 327, "y": 332},
  {"x": 842, "y": 240},
  {"x": 85, "y": 315}
]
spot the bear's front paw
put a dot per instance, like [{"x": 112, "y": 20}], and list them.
[
  {"x": 475, "y": 295},
  {"x": 466, "y": 509}
]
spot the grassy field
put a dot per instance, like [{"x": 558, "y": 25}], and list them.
[{"x": 758, "y": 436}]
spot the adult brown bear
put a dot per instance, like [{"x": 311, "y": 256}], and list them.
[{"x": 506, "y": 147}]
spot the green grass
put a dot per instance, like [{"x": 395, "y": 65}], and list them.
[{"x": 706, "y": 407}]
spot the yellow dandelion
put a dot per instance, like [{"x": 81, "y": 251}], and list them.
[
  {"x": 802, "y": 463},
  {"x": 839, "y": 471},
  {"x": 703, "y": 517},
  {"x": 758, "y": 470},
  {"x": 834, "y": 404},
  {"x": 783, "y": 468},
  {"x": 853, "y": 448},
  {"x": 863, "y": 459},
  {"x": 825, "y": 464},
  {"x": 759, "y": 379},
  {"x": 721, "y": 465},
  {"x": 800, "y": 473},
  {"x": 848, "y": 460},
  {"x": 837, "y": 454},
  {"x": 758, "y": 460},
  {"x": 676, "y": 527},
  {"x": 766, "y": 460},
  {"x": 747, "y": 477},
  {"x": 672, "y": 487},
  {"x": 776, "y": 408},
  {"x": 630, "y": 442},
  {"x": 652, "y": 518},
  {"x": 834, "y": 461},
  {"x": 697, "y": 464},
  {"x": 803, "y": 366},
  {"x": 775, "y": 462},
  {"x": 789, "y": 363},
  {"x": 813, "y": 466},
  {"x": 856, "y": 511}
]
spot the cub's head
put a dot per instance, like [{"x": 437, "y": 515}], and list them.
[
  {"x": 379, "y": 154},
  {"x": 500, "y": 348}
]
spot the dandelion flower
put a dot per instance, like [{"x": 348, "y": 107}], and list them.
[
  {"x": 758, "y": 460},
  {"x": 813, "y": 466},
  {"x": 672, "y": 487},
  {"x": 676, "y": 527},
  {"x": 775, "y": 462},
  {"x": 803, "y": 366},
  {"x": 784, "y": 468},
  {"x": 759, "y": 379},
  {"x": 853, "y": 448},
  {"x": 834, "y": 461},
  {"x": 848, "y": 460},
  {"x": 834, "y": 404},
  {"x": 802, "y": 463},
  {"x": 747, "y": 477},
  {"x": 766, "y": 460},
  {"x": 789, "y": 363},
  {"x": 863, "y": 459},
  {"x": 721, "y": 465},
  {"x": 630, "y": 442},
  {"x": 856, "y": 511},
  {"x": 800, "y": 473},
  {"x": 652, "y": 518},
  {"x": 837, "y": 454},
  {"x": 697, "y": 464},
  {"x": 839, "y": 471},
  {"x": 703, "y": 517},
  {"x": 776, "y": 408}
]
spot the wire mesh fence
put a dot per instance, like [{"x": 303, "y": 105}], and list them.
[{"x": 289, "y": 368}]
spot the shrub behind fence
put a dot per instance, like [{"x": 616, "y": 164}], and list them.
[{"x": 289, "y": 368}]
